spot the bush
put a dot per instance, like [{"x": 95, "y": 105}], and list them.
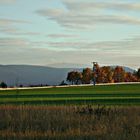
[{"x": 3, "y": 85}]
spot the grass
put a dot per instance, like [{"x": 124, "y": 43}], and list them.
[
  {"x": 106, "y": 95},
  {"x": 69, "y": 123}
]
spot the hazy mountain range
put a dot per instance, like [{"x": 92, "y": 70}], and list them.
[
  {"x": 68, "y": 65},
  {"x": 33, "y": 75}
]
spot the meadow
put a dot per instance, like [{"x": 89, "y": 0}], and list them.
[
  {"x": 106, "y": 95},
  {"x": 69, "y": 122},
  {"x": 71, "y": 113}
]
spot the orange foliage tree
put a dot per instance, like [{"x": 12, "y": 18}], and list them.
[
  {"x": 105, "y": 74},
  {"x": 87, "y": 76}
]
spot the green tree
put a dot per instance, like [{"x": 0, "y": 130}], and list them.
[{"x": 3, "y": 85}]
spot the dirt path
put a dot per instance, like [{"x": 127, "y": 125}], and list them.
[{"x": 122, "y": 83}]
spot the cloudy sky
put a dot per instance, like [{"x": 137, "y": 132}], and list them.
[{"x": 43, "y": 32}]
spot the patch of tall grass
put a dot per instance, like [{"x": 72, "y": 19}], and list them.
[{"x": 69, "y": 122}]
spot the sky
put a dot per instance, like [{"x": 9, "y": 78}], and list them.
[{"x": 46, "y": 32}]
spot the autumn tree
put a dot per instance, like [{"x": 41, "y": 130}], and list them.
[
  {"x": 138, "y": 74},
  {"x": 130, "y": 77},
  {"x": 70, "y": 77},
  {"x": 101, "y": 76},
  {"x": 119, "y": 74},
  {"x": 74, "y": 77},
  {"x": 78, "y": 77},
  {"x": 87, "y": 76},
  {"x": 96, "y": 73},
  {"x": 105, "y": 74},
  {"x": 109, "y": 74}
]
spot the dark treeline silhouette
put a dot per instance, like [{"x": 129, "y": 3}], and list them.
[
  {"x": 3, "y": 85},
  {"x": 105, "y": 74}
]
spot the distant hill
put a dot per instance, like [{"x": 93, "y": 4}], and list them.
[
  {"x": 77, "y": 66},
  {"x": 68, "y": 65},
  {"x": 34, "y": 75},
  {"x": 127, "y": 69}
]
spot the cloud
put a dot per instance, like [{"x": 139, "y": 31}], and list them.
[
  {"x": 7, "y": 22},
  {"x": 84, "y": 14},
  {"x": 8, "y": 30},
  {"x": 130, "y": 44},
  {"x": 118, "y": 5},
  {"x": 44, "y": 56},
  {"x": 57, "y": 36},
  {"x": 15, "y": 31},
  {"x": 7, "y": 1},
  {"x": 13, "y": 43},
  {"x": 8, "y": 26},
  {"x": 23, "y": 51},
  {"x": 73, "y": 46},
  {"x": 51, "y": 12},
  {"x": 20, "y": 43}
]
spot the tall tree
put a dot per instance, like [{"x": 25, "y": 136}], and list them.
[
  {"x": 96, "y": 73},
  {"x": 105, "y": 75},
  {"x": 130, "y": 77},
  {"x": 78, "y": 77},
  {"x": 74, "y": 77},
  {"x": 87, "y": 76},
  {"x": 138, "y": 74},
  {"x": 119, "y": 74},
  {"x": 70, "y": 77}
]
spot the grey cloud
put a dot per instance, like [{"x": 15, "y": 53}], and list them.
[
  {"x": 7, "y": 1},
  {"x": 45, "y": 56},
  {"x": 23, "y": 51},
  {"x": 51, "y": 12},
  {"x": 114, "y": 47},
  {"x": 13, "y": 42},
  {"x": 7, "y": 22},
  {"x": 117, "y": 5},
  {"x": 91, "y": 21},
  {"x": 20, "y": 43},
  {"x": 69, "y": 45},
  {"x": 7, "y": 26},
  {"x": 15, "y": 31},
  {"x": 83, "y": 14},
  {"x": 131, "y": 45},
  {"x": 62, "y": 36},
  {"x": 8, "y": 30}
]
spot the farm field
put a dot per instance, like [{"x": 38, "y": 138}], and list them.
[
  {"x": 71, "y": 113},
  {"x": 128, "y": 94}
]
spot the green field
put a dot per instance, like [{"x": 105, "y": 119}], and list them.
[{"x": 107, "y": 95}]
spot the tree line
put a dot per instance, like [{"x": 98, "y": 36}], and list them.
[{"x": 105, "y": 74}]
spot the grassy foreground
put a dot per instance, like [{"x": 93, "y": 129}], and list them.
[
  {"x": 106, "y": 95},
  {"x": 69, "y": 123}
]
